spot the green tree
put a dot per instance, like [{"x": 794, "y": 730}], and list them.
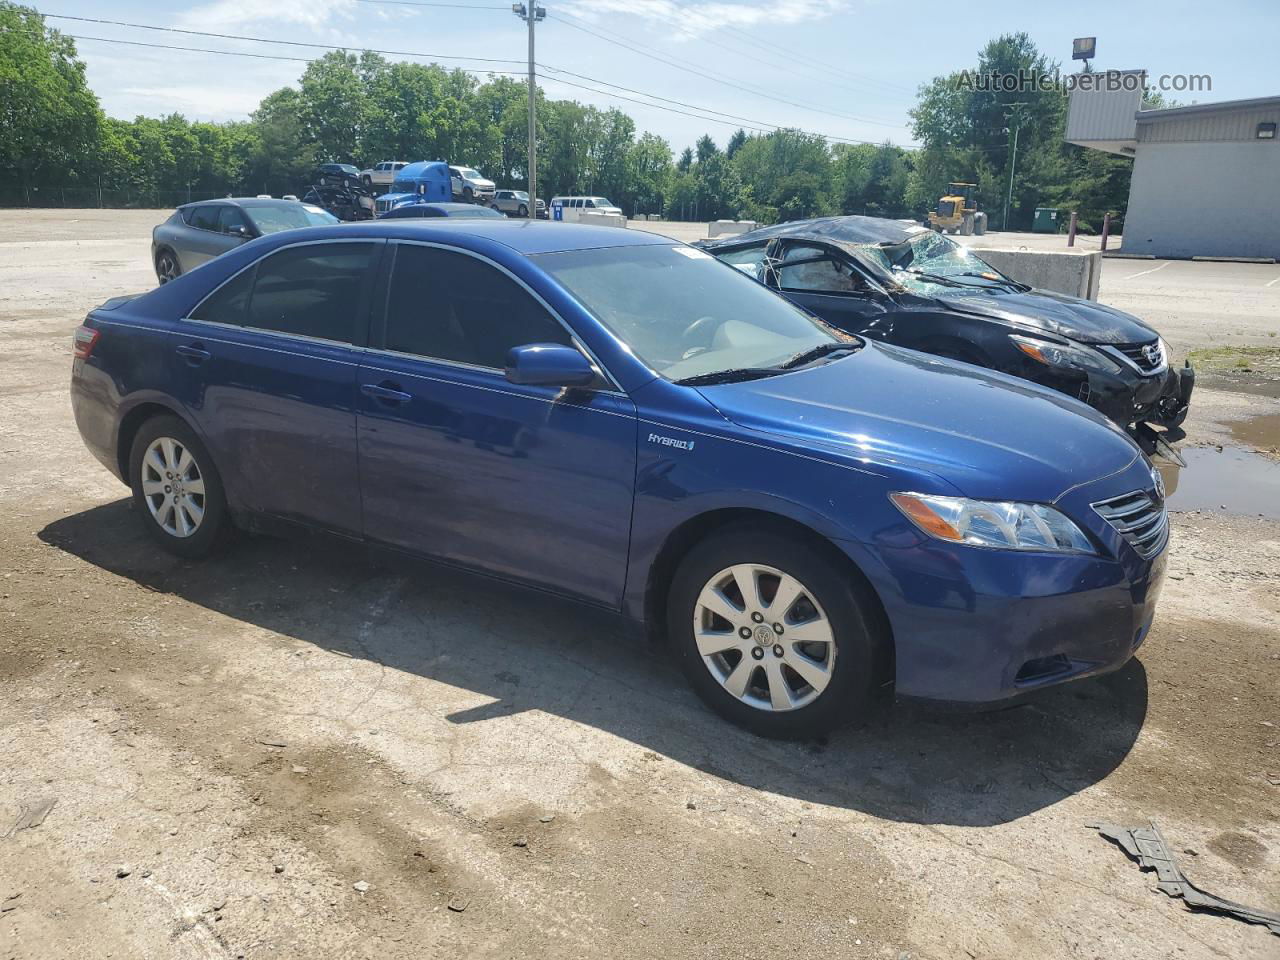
[{"x": 50, "y": 122}]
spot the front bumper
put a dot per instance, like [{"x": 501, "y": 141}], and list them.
[
  {"x": 1128, "y": 398},
  {"x": 973, "y": 625}
]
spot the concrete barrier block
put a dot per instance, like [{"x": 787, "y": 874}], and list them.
[
  {"x": 603, "y": 219},
  {"x": 1073, "y": 272},
  {"x": 727, "y": 228}
]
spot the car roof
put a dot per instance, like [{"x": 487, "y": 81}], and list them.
[
  {"x": 843, "y": 231},
  {"x": 448, "y": 209},
  {"x": 523, "y": 236},
  {"x": 243, "y": 201}
]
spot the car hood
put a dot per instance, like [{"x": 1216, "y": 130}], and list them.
[
  {"x": 989, "y": 435},
  {"x": 1083, "y": 320},
  {"x": 479, "y": 182}
]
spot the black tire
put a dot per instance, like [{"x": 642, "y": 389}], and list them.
[
  {"x": 367, "y": 181},
  {"x": 211, "y": 529},
  {"x": 468, "y": 194},
  {"x": 523, "y": 211},
  {"x": 851, "y": 692},
  {"x": 167, "y": 266}
]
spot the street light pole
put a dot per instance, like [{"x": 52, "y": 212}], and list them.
[
  {"x": 1015, "y": 118},
  {"x": 531, "y": 15}
]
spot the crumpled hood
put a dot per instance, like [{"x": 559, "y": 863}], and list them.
[
  {"x": 1083, "y": 320},
  {"x": 989, "y": 435}
]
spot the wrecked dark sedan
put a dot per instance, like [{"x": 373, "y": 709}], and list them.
[{"x": 909, "y": 286}]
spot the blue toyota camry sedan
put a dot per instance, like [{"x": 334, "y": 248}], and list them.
[{"x": 812, "y": 520}]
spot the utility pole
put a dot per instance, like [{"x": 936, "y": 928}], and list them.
[
  {"x": 531, "y": 14},
  {"x": 1014, "y": 116}
]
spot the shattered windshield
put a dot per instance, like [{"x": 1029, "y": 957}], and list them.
[{"x": 928, "y": 262}]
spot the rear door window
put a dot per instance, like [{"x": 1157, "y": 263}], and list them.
[
  {"x": 317, "y": 290},
  {"x": 451, "y": 306},
  {"x": 206, "y": 217},
  {"x": 749, "y": 260}
]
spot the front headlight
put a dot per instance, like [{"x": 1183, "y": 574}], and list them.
[
  {"x": 993, "y": 523},
  {"x": 1073, "y": 356}
]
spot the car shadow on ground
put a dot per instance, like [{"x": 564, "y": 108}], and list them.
[{"x": 528, "y": 651}]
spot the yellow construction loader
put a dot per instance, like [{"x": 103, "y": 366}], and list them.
[{"x": 958, "y": 212}]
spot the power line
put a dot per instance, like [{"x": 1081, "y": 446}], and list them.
[
  {"x": 734, "y": 84},
  {"x": 807, "y": 60},
  {"x": 291, "y": 43},
  {"x": 424, "y": 3},
  {"x": 756, "y": 125},
  {"x": 268, "y": 56},
  {"x": 255, "y": 56}
]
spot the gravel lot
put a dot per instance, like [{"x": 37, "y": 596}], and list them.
[{"x": 288, "y": 751}]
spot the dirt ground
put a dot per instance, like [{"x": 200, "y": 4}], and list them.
[{"x": 291, "y": 752}]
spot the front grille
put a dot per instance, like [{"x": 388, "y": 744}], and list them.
[
  {"x": 1139, "y": 518},
  {"x": 1145, "y": 357}
]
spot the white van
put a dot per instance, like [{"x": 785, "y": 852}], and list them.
[{"x": 574, "y": 207}]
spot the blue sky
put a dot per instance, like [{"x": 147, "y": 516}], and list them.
[{"x": 844, "y": 68}]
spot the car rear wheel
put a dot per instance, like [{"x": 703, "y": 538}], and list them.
[
  {"x": 167, "y": 266},
  {"x": 773, "y": 635},
  {"x": 176, "y": 488}
]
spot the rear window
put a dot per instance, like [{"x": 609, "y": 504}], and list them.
[
  {"x": 204, "y": 218},
  {"x": 272, "y": 218}
]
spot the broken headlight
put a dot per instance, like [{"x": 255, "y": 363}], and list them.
[
  {"x": 1073, "y": 356},
  {"x": 993, "y": 523}
]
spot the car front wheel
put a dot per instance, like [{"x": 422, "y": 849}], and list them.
[
  {"x": 176, "y": 488},
  {"x": 774, "y": 635},
  {"x": 523, "y": 211}
]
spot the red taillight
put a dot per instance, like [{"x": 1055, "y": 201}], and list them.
[{"x": 86, "y": 339}]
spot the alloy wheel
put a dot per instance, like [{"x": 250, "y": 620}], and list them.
[
  {"x": 173, "y": 487},
  {"x": 764, "y": 637},
  {"x": 167, "y": 267}
]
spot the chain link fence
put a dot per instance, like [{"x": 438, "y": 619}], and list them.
[{"x": 82, "y": 197}]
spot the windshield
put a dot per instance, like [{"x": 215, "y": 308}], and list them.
[
  {"x": 603, "y": 202},
  {"x": 272, "y": 218},
  {"x": 931, "y": 253},
  {"x": 519, "y": 194},
  {"x": 468, "y": 173},
  {"x": 682, "y": 311}
]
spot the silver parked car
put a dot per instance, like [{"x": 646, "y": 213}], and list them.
[
  {"x": 470, "y": 186},
  {"x": 515, "y": 202},
  {"x": 382, "y": 174},
  {"x": 201, "y": 231}
]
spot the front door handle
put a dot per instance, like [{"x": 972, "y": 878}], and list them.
[
  {"x": 385, "y": 392},
  {"x": 194, "y": 354}
]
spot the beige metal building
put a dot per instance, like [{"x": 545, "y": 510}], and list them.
[{"x": 1206, "y": 177}]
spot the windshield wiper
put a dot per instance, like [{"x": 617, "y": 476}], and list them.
[
  {"x": 815, "y": 353},
  {"x": 945, "y": 281},
  {"x": 732, "y": 375},
  {"x": 1002, "y": 280}
]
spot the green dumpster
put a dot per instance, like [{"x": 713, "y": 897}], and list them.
[{"x": 1046, "y": 220}]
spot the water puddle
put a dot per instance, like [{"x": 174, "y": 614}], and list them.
[
  {"x": 1231, "y": 479},
  {"x": 1262, "y": 432}
]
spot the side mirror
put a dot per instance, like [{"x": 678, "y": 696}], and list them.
[{"x": 548, "y": 365}]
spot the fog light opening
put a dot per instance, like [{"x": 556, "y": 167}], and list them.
[{"x": 1042, "y": 668}]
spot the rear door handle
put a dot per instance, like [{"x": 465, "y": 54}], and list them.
[
  {"x": 194, "y": 354},
  {"x": 387, "y": 394}
]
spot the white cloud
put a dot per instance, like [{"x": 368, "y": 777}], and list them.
[
  {"x": 689, "y": 20},
  {"x": 197, "y": 101},
  {"x": 233, "y": 14}
]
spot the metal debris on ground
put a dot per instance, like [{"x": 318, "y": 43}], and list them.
[
  {"x": 1147, "y": 846},
  {"x": 30, "y": 815}
]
